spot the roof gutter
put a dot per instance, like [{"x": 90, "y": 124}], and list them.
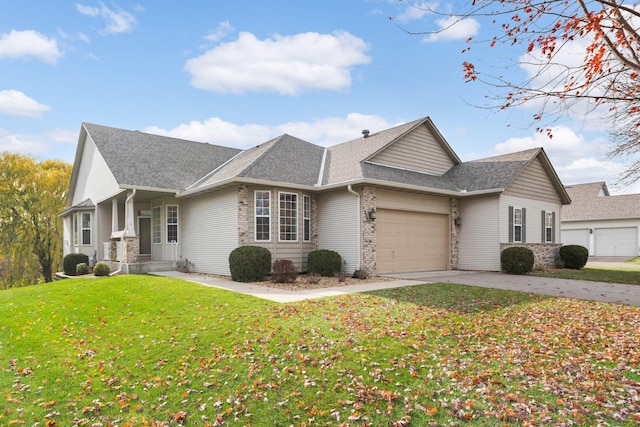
[{"x": 253, "y": 181}]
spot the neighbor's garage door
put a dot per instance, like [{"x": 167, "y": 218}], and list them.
[
  {"x": 616, "y": 241},
  {"x": 576, "y": 237},
  {"x": 411, "y": 241}
]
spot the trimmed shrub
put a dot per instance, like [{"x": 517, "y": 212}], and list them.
[
  {"x": 71, "y": 261},
  {"x": 284, "y": 271},
  {"x": 516, "y": 260},
  {"x": 82, "y": 268},
  {"x": 574, "y": 256},
  {"x": 249, "y": 263},
  {"x": 324, "y": 262},
  {"x": 101, "y": 269}
]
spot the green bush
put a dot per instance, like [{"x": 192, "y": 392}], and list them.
[
  {"x": 71, "y": 261},
  {"x": 516, "y": 260},
  {"x": 574, "y": 256},
  {"x": 101, "y": 269},
  {"x": 82, "y": 268},
  {"x": 284, "y": 271},
  {"x": 324, "y": 262},
  {"x": 249, "y": 263}
]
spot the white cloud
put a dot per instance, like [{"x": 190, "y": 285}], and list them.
[
  {"x": 115, "y": 22},
  {"x": 325, "y": 132},
  {"x": 222, "y": 30},
  {"x": 282, "y": 64},
  {"x": 454, "y": 28},
  {"x": 63, "y": 136},
  {"x": 415, "y": 11},
  {"x": 564, "y": 141},
  {"x": 16, "y": 103},
  {"x": 19, "y": 44},
  {"x": 21, "y": 143}
]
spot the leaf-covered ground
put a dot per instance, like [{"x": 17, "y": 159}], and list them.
[{"x": 149, "y": 351}]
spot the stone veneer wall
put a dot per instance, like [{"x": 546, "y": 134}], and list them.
[
  {"x": 545, "y": 255},
  {"x": 455, "y": 233},
  {"x": 130, "y": 250},
  {"x": 244, "y": 237},
  {"x": 368, "y": 231}
]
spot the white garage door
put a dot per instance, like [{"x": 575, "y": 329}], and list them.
[
  {"x": 576, "y": 237},
  {"x": 411, "y": 241},
  {"x": 616, "y": 241}
]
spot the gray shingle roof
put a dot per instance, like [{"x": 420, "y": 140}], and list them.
[
  {"x": 592, "y": 201},
  {"x": 400, "y": 176},
  {"x": 144, "y": 160}
]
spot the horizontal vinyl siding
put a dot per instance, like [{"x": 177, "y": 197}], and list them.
[
  {"x": 533, "y": 183},
  {"x": 95, "y": 180},
  {"x": 338, "y": 226},
  {"x": 388, "y": 199},
  {"x": 418, "y": 151},
  {"x": 533, "y": 218},
  {"x": 479, "y": 247},
  {"x": 209, "y": 227},
  {"x": 296, "y": 251}
]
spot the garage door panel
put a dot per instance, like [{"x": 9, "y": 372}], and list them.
[
  {"x": 576, "y": 237},
  {"x": 411, "y": 241},
  {"x": 621, "y": 241}
]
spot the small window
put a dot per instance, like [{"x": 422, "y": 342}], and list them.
[
  {"x": 156, "y": 225},
  {"x": 86, "y": 228},
  {"x": 288, "y": 217},
  {"x": 548, "y": 227},
  {"x": 306, "y": 218},
  {"x": 517, "y": 224},
  {"x": 262, "y": 216},
  {"x": 172, "y": 223}
]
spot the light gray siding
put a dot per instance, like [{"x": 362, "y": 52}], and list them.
[
  {"x": 389, "y": 199},
  {"x": 479, "y": 247},
  {"x": 95, "y": 180},
  {"x": 209, "y": 230},
  {"x": 533, "y": 183},
  {"x": 419, "y": 151},
  {"x": 296, "y": 251},
  {"x": 533, "y": 217},
  {"x": 338, "y": 227}
]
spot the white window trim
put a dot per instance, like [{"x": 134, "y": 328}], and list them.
[
  {"x": 256, "y": 216},
  {"x": 177, "y": 223},
  {"x": 306, "y": 217},
  {"x": 548, "y": 216},
  {"x": 280, "y": 193},
  {"x": 153, "y": 209},
  {"x": 517, "y": 225},
  {"x": 82, "y": 229}
]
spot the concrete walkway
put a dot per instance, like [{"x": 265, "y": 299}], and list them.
[{"x": 596, "y": 291}]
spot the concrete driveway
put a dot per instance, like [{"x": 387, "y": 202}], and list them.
[{"x": 595, "y": 291}]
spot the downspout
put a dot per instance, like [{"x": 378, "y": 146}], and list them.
[
  {"x": 358, "y": 203},
  {"x": 124, "y": 232}
]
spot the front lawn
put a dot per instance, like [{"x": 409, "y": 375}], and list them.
[
  {"x": 150, "y": 351},
  {"x": 628, "y": 275}
]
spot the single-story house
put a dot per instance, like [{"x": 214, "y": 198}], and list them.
[
  {"x": 399, "y": 200},
  {"x": 606, "y": 225}
]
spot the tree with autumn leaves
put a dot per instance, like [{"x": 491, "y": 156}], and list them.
[
  {"x": 580, "y": 58},
  {"x": 32, "y": 194}
]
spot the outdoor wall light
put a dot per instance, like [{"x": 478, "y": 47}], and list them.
[
  {"x": 457, "y": 222},
  {"x": 372, "y": 215},
  {"x": 591, "y": 231}
]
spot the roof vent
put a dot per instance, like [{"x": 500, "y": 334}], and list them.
[{"x": 365, "y": 132}]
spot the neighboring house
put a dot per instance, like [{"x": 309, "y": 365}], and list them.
[
  {"x": 399, "y": 200},
  {"x": 606, "y": 225}
]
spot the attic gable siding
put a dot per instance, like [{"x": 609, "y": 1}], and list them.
[
  {"x": 417, "y": 151},
  {"x": 533, "y": 183},
  {"x": 95, "y": 180}
]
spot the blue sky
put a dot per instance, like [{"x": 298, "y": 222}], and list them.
[{"x": 240, "y": 73}]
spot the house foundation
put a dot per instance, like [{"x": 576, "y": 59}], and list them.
[{"x": 545, "y": 255}]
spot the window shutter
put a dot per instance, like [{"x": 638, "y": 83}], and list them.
[
  {"x": 524, "y": 225},
  {"x": 510, "y": 224},
  {"x": 544, "y": 227},
  {"x": 553, "y": 227}
]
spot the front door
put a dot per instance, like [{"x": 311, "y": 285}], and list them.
[{"x": 144, "y": 229}]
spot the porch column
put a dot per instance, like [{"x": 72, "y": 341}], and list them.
[
  {"x": 114, "y": 215},
  {"x": 129, "y": 228}
]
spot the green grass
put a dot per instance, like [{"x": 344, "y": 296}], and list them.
[
  {"x": 633, "y": 261},
  {"x": 627, "y": 275},
  {"x": 149, "y": 351}
]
